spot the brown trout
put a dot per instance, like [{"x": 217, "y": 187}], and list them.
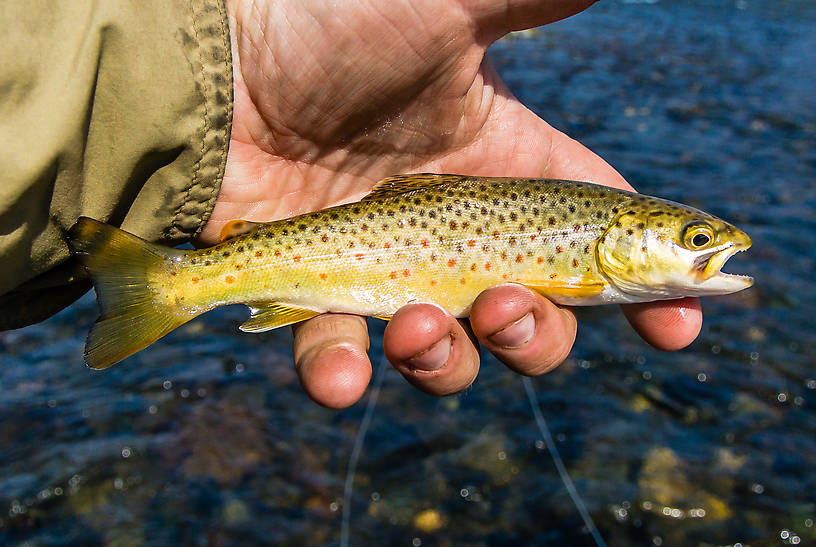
[{"x": 414, "y": 238}]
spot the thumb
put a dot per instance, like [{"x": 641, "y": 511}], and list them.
[{"x": 495, "y": 18}]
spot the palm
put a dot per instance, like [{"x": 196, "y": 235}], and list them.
[
  {"x": 331, "y": 103},
  {"x": 331, "y": 97}
]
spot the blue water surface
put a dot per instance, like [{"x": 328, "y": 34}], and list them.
[{"x": 206, "y": 438}]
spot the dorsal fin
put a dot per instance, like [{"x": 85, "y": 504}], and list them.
[{"x": 402, "y": 184}]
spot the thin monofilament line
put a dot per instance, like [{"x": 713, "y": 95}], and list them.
[
  {"x": 351, "y": 471},
  {"x": 559, "y": 463}
]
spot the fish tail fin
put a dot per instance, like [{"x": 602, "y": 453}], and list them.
[{"x": 133, "y": 312}]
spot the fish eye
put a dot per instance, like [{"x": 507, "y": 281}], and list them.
[
  {"x": 700, "y": 240},
  {"x": 697, "y": 236}
]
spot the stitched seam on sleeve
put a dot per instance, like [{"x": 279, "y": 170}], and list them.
[{"x": 211, "y": 38}]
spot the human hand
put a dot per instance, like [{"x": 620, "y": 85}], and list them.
[{"x": 332, "y": 97}]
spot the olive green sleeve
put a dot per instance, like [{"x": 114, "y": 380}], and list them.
[{"x": 116, "y": 110}]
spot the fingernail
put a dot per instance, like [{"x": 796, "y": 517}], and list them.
[
  {"x": 432, "y": 358},
  {"x": 515, "y": 335}
]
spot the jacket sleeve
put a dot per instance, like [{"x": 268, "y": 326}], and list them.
[{"x": 116, "y": 110}]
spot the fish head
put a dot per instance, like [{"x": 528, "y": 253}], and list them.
[{"x": 661, "y": 249}]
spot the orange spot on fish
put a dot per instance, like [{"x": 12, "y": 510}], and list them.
[
  {"x": 473, "y": 267},
  {"x": 387, "y": 245},
  {"x": 359, "y": 256},
  {"x": 424, "y": 242},
  {"x": 487, "y": 266},
  {"x": 496, "y": 234},
  {"x": 533, "y": 237},
  {"x": 463, "y": 281},
  {"x": 296, "y": 258},
  {"x": 393, "y": 275},
  {"x": 519, "y": 258},
  {"x": 433, "y": 282},
  {"x": 195, "y": 280},
  {"x": 472, "y": 243},
  {"x": 229, "y": 279},
  {"x": 406, "y": 273},
  {"x": 451, "y": 263},
  {"x": 504, "y": 276},
  {"x": 259, "y": 254},
  {"x": 540, "y": 259},
  {"x": 323, "y": 276},
  {"x": 574, "y": 263},
  {"x": 277, "y": 252},
  {"x": 559, "y": 249}
]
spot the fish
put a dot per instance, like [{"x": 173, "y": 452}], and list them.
[{"x": 414, "y": 238}]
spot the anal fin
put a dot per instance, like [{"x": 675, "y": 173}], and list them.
[{"x": 272, "y": 316}]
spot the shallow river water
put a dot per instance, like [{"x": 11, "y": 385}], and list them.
[{"x": 206, "y": 438}]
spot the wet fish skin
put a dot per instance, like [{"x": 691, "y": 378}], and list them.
[{"x": 427, "y": 237}]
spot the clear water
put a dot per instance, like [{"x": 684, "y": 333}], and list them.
[{"x": 206, "y": 438}]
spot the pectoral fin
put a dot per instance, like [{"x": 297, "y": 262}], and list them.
[
  {"x": 271, "y": 316},
  {"x": 574, "y": 290}
]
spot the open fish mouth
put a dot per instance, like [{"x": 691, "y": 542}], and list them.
[{"x": 708, "y": 268}]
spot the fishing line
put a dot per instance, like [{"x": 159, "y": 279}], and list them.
[
  {"x": 351, "y": 471},
  {"x": 359, "y": 441},
  {"x": 559, "y": 463}
]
